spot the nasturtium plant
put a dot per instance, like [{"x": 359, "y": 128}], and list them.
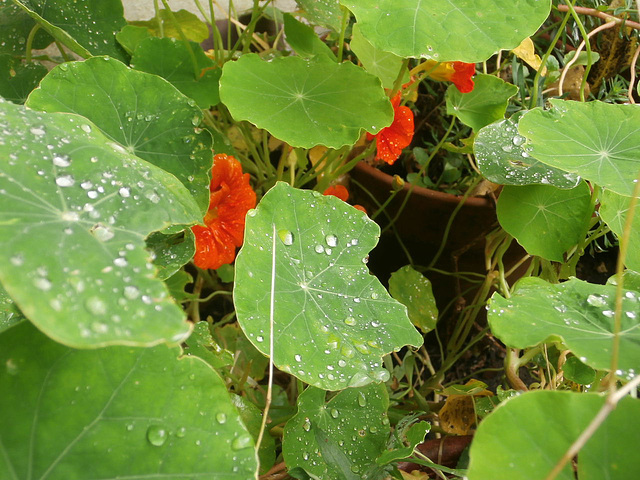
[
  {"x": 17, "y": 79},
  {"x": 115, "y": 412},
  {"x": 305, "y": 102},
  {"x": 16, "y": 26},
  {"x": 340, "y": 438},
  {"x": 502, "y": 160},
  {"x": 384, "y": 65},
  {"x": 548, "y": 422},
  {"x": 448, "y": 30},
  {"x": 485, "y": 104},
  {"x": 614, "y": 209},
  {"x": 578, "y": 314},
  {"x": 94, "y": 203},
  {"x": 303, "y": 39},
  {"x": 142, "y": 113},
  {"x": 595, "y": 140},
  {"x": 332, "y": 320},
  {"x": 415, "y": 291},
  {"x": 545, "y": 220}
]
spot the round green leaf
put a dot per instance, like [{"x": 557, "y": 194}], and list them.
[
  {"x": 85, "y": 27},
  {"x": 545, "y": 220},
  {"x": 75, "y": 208},
  {"x": 613, "y": 210},
  {"x": 578, "y": 313},
  {"x": 17, "y": 79},
  {"x": 332, "y": 320},
  {"x": 596, "y": 140},
  {"x": 171, "y": 60},
  {"x": 305, "y": 102},
  {"x": 383, "y": 65},
  {"x": 576, "y": 371},
  {"x": 501, "y": 159},
  {"x": 541, "y": 426},
  {"x": 141, "y": 112},
  {"x": 130, "y": 37},
  {"x": 117, "y": 412},
  {"x": 485, "y": 104},
  {"x": 414, "y": 291},
  {"x": 445, "y": 30},
  {"x": 340, "y": 438}
]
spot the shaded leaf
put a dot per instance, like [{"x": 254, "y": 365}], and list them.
[
  {"x": 143, "y": 113},
  {"x": 333, "y": 321},
  {"x": 193, "y": 28},
  {"x": 614, "y": 209},
  {"x": 171, "y": 252},
  {"x": 74, "y": 211},
  {"x": 305, "y": 102},
  {"x": 578, "y": 313},
  {"x": 201, "y": 344},
  {"x": 383, "y": 65},
  {"x": 17, "y": 79},
  {"x": 130, "y": 37},
  {"x": 485, "y": 104},
  {"x": 16, "y": 26},
  {"x": 414, "y": 291},
  {"x": 576, "y": 371},
  {"x": 326, "y": 13},
  {"x": 252, "y": 418},
  {"x": 115, "y": 412},
  {"x": 171, "y": 60},
  {"x": 10, "y": 314},
  {"x": 303, "y": 39},
  {"x": 545, "y": 220}
]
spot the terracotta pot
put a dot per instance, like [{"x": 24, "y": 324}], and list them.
[{"x": 421, "y": 225}]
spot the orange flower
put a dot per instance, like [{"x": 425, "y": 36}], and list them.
[
  {"x": 391, "y": 140},
  {"x": 459, "y": 73},
  {"x": 231, "y": 198},
  {"x": 342, "y": 193}
]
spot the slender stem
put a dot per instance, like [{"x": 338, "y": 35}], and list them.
[
  {"x": 587, "y": 43},
  {"x": 632, "y": 81},
  {"x": 30, "y": 38},
  {"x": 156, "y": 9},
  {"x": 605, "y": 16},
  {"x": 343, "y": 29}
]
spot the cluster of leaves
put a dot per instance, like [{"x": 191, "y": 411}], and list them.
[{"x": 109, "y": 159}]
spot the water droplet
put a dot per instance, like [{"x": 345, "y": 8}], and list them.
[
  {"x": 342, "y": 363},
  {"x": 130, "y": 427},
  {"x": 596, "y": 301},
  {"x": 381, "y": 375},
  {"x": 355, "y": 468},
  {"x": 180, "y": 433},
  {"x": 42, "y": 283},
  {"x": 297, "y": 357},
  {"x": 124, "y": 192},
  {"x": 96, "y": 306},
  {"x": 286, "y": 236},
  {"x": 156, "y": 435},
  {"x": 319, "y": 249},
  {"x": 243, "y": 441},
  {"x": 334, "y": 413},
  {"x": 37, "y": 131},
  {"x": 17, "y": 260},
  {"x": 61, "y": 160},
  {"x": 331, "y": 240},
  {"x": 350, "y": 321},
  {"x": 221, "y": 417},
  {"x": 518, "y": 140},
  {"x": 347, "y": 351},
  {"x": 306, "y": 425},
  {"x": 260, "y": 338},
  {"x": 65, "y": 181},
  {"x": 86, "y": 128},
  {"x": 131, "y": 292},
  {"x": 362, "y": 401},
  {"x": 101, "y": 232}
]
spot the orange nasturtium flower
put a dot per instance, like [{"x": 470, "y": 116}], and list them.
[
  {"x": 391, "y": 140},
  {"x": 459, "y": 73},
  {"x": 231, "y": 198},
  {"x": 342, "y": 193}
]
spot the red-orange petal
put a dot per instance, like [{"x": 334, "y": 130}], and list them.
[
  {"x": 339, "y": 191},
  {"x": 391, "y": 140},
  {"x": 462, "y": 76}
]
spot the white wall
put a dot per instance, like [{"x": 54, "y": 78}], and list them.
[{"x": 143, "y": 9}]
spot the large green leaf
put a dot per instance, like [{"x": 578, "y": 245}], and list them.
[
  {"x": 326, "y": 13},
  {"x": 117, "y": 412},
  {"x": 613, "y": 210},
  {"x": 305, "y": 102},
  {"x": 541, "y": 426},
  {"x": 171, "y": 60},
  {"x": 17, "y": 79},
  {"x": 596, "y": 140},
  {"x": 501, "y": 159},
  {"x": 74, "y": 210},
  {"x": 332, "y": 320},
  {"x": 485, "y": 104},
  {"x": 445, "y": 30},
  {"x": 384, "y": 65},
  {"x": 15, "y": 26},
  {"x": 578, "y": 313},
  {"x": 85, "y": 26},
  {"x": 545, "y": 220},
  {"x": 141, "y": 112},
  {"x": 339, "y": 439}
]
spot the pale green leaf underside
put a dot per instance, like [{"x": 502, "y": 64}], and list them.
[
  {"x": 75, "y": 208},
  {"x": 548, "y": 422},
  {"x": 142, "y": 112},
  {"x": 305, "y": 102},
  {"x": 117, "y": 412},
  {"x": 545, "y": 220},
  {"x": 576, "y": 312},
  {"x": 384, "y": 65},
  {"x": 596, "y": 140},
  {"x": 326, "y": 13},
  {"x": 340, "y": 438},
  {"x": 446, "y": 30},
  {"x": 333, "y": 321},
  {"x": 501, "y": 159},
  {"x": 613, "y": 210}
]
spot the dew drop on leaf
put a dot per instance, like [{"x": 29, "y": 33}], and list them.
[
  {"x": 331, "y": 240},
  {"x": 306, "y": 425},
  {"x": 286, "y": 236},
  {"x": 95, "y": 306},
  {"x": 243, "y": 441},
  {"x": 156, "y": 435},
  {"x": 221, "y": 417}
]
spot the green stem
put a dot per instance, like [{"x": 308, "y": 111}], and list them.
[
  {"x": 30, "y": 38},
  {"x": 587, "y": 44},
  {"x": 534, "y": 95},
  {"x": 156, "y": 9},
  {"x": 346, "y": 15}
]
